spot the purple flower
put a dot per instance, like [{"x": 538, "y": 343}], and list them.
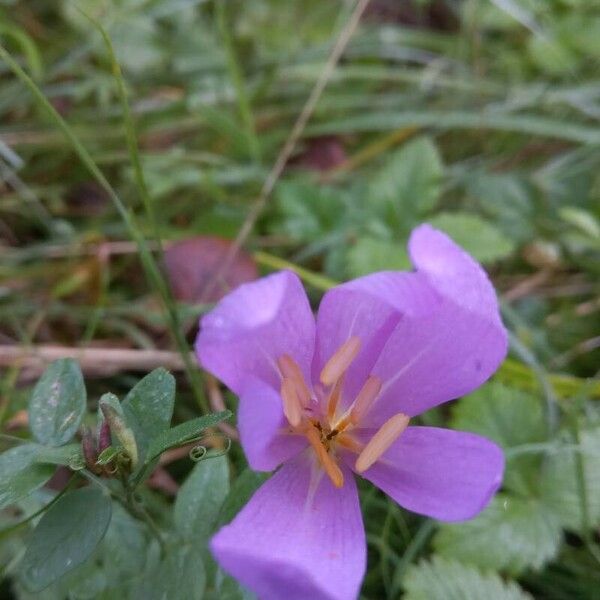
[{"x": 334, "y": 397}]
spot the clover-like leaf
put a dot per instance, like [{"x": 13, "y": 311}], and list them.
[{"x": 58, "y": 403}]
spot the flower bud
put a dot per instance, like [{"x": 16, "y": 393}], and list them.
[
  {"x": 121, "y": 432},
  {"x": 88, "y": 448}
]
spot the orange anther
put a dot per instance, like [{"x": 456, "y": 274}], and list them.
[
  {"x": 289, "y": 369},
  {"x": 386, "y": 435},
  {"x": 291, "y": 403},
  {"x": 337, "y": 365}
]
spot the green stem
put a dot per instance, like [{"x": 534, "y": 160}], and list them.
[
  {"x": 416, "y": 545},
  {"x": 148, "y": 262},
  {"x": 237, "y": 79}
]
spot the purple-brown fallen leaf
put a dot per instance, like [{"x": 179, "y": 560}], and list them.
[
  {"x": 192, "y": 265},
  {"x": 322, "y": 154}
]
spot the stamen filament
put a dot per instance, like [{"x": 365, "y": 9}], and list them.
[
  {"x": 349, "y": 443},
  {"x": 292, "y": 408},
  {"x": 343, "y": 423},
  {"x": 289, "y": 369},
  {"x": 367, "y": 395},
  {"x": 337, "y": 365},
  {"x": 329, "y": 465},
  {"x": 387, "y": 434}
]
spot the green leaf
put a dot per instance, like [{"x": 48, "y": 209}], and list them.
[
  {"x": 369, "y": 255},
  {"x": 66, "y": 536},
  {"x": 552, "y": 54},
  {"x": 124, "y": 545},
  {"x": 227, "y": 588},
  {"x": 184, "y": 433},
  {"x": 21, "y": 474},
  {"x": 477, "y": 236},
  {"x": 505, "y": 199},
  {"x": 511, "y": 534},
  {"x": 409, "y": 184},
  {"x": 200, "y": 498},
  {"x": 180, "y": 576},
  {"x": 442, "y": 579},
  {"x": 307, "y": 212},
  {"x": 107, "y": 455},
  {"x": 511, "y": 418},
  {"x": 58, "y": 403},
  {"x": 242, "y": 490},
  {"x": 148, "y": 407},
  {"x": 68, "y": 456},
  {"x": 560, "y": 486},
  {"x": 581, "y": 219},
  {"x": 508, "y": 416}
]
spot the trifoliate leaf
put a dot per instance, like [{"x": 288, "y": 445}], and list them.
[
  {"x": 560, "y": 489},
  {"x": 369, "y": 255},
  {"x": 511, "y": 534},
  {"x": 409, "y": 184},
  {"x": 477, "y": 236},
  {"x": 514, "y": 420},
  {"x": 442, "y": 579}
]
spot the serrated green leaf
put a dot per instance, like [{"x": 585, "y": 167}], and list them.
[
  {"x": 441, "y": 579},
  {"x": 21, "y": 473},
  {"x": 184, "y": 433},
  {"x": 477, "y": 236},
  {"x": 506, "y": 200},
  {"x": 559, "y": 483},
  {"x": 581, "y": 219},
  {"x": 58, "y": 403},
  {"x": 200, "y": 498},
  {"x": 369, "y": 255},
  {"x": 409, "y": 184},
  {"x": 306, "y": 211},
  {"x": 506, "y": 415},
  {"x": 242, "y": 490},
  {"x": 511, "y": 534},
  {"x": 511, "y": 418},
  {"x": 66, "y": 536}
]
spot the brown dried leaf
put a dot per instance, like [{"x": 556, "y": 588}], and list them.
[{"x": 193, "y": 264}]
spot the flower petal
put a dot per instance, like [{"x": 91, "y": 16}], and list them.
[
  {"x": 445, "y": 474},
  {"x": 454, "y": 344},
  {"x": 254, "y": 325},
  {"x": 297, "y": 538},
  {"x": 261, "y": 422},
  {"x": 369, "y": 308},
  {"x": 453, "y": 272}
]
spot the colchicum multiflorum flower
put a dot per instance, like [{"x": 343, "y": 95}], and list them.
[{"x": 322, "y": 401}]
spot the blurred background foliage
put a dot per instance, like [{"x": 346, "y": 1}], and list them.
[{"x": 481, "y": 117}]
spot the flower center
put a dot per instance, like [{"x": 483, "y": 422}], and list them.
[{"x": 317, "y": 416}]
